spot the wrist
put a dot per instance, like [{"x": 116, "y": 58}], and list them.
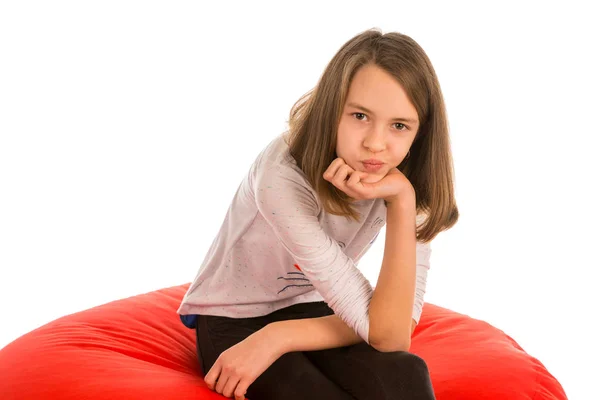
[
  {"x": 273, "y": 335},
  {"x": 403, "y": 200}
]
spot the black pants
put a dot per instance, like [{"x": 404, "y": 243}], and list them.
[{"x": 351, "y": 372}]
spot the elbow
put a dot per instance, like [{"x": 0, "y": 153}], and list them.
[
  {"x": 395, "y": 342},
  {"x": 391, "y": 347}
]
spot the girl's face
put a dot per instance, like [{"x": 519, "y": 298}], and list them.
[{"x": 378, "y": 124}]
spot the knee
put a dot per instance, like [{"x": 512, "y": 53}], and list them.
[
  {"x": 405, "y": 361},
  {"x": 289, "y": 376},
  {"x": 414, "y": 367},
  {"x": 415, "y": 361},
  {"x": 394, "y": 359}
]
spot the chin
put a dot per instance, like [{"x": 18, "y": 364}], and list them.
[{"x": 373, "y": 178}]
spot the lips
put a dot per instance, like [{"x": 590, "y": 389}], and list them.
[
  {"x": 371, "y": 167},
  {"x": 372, "y": 161}
]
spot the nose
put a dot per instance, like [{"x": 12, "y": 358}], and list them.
[{"x": 375, "y": 140}]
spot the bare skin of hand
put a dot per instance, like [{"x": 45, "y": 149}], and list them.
[
  {"x": 240, "y": 365},
  {"x": 390, "y": 188}
]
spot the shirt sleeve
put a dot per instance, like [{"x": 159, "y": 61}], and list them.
[
  {"x": 423, "y": 254},
  {"x": 289, "y": 206}
]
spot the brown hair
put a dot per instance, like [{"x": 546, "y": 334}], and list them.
[{"x": 314, "y": 120}]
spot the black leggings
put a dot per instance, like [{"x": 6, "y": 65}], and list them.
[{"x": 345, "y": 373}]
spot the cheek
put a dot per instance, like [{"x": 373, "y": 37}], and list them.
[
  {"x": 344, "y": 147},
  {"x": 342, "y": 141},
  {"x": 349, "y": 141},
  {"x": 346, "y": 137},
  {"x": 398, "y": 150}
]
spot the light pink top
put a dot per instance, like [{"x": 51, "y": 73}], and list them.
[{"x": 278, "y": 247}]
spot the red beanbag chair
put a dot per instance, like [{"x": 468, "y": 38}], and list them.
[{"x": 137, "y": 348}]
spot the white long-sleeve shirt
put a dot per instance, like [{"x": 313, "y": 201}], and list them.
[{"x": 278, "y": 247}]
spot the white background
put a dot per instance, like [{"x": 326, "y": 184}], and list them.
[{"x": 126, "y": 128}]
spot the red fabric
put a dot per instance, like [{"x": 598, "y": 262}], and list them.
[{"x": 137, "y": 348}]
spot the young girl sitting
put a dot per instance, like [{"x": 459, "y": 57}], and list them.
[{"x": 280, "y": 309}]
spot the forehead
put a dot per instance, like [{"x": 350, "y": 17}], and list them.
[{"x": 378, "y": 91}]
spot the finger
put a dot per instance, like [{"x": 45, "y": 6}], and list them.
[
  {"x": 339, "y": 180},
  {"x": 212, "y": 375},
  {"x": 231, "y": 385},
  {"x": 222, "y": 380},
  {"x": 240, "y": 391},
  {"x": 332, "y": 169},
  {"x": 354, "y": 179},
  {"x": 355, "y": 187}
]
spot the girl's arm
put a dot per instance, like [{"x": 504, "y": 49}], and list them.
[
  {"x": 312, "y": 334},
  {"x": 292, "y": 210},
  {"x": 390, "y": 309}
]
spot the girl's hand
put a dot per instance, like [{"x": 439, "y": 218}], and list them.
[
  {"x": 390, "y": 188},
  {"x": 240, "y": 365}
]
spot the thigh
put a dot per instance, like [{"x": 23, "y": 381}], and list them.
[
  {"x": 215, "y": 334},
  {"x": 291, "y": 376},
  {"x": 367, "y": 373}
]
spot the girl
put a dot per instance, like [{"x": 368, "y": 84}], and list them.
[{"x": 279, "y": 307}]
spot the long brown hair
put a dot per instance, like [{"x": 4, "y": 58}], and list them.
[{"x": 314, "y": 120}]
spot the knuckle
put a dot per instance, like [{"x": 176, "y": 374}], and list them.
[{"x": 228, "y": 368}]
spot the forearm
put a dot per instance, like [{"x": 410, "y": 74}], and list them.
[
  {"x": 390, "y": 310},
  {"x": 311, "y": 334}
]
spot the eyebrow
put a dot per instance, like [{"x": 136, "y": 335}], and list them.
[{"x": 365, "y": 109}]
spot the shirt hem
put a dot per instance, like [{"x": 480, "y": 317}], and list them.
[{"x": 247, "y": 310}]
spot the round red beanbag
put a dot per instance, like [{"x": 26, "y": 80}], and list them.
[{"x": 137, "y": 348}]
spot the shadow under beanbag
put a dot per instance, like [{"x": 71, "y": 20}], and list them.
[{"x": 137, "y": 348}]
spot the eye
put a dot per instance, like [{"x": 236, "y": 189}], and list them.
[
  {"x": 399, "y": 123},
  {"x": 359, "y": 114}
]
